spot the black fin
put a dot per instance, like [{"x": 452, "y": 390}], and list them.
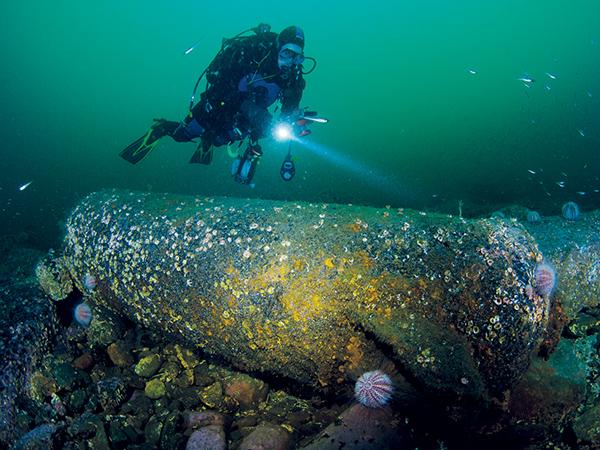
[
  {"x": 202, "y": 156},
  {"x": 137, "y": 150}
]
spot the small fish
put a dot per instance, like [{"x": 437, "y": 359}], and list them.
[
  {"x": 191, "y": 49},
  {"x": 526, "y": 80},
  {"x": 316, "y": 119},
  {"x": 596, "y": 190},
  {"x": 547, "y": 87},
  {"x": 472, "y": 71},
  {"x": 581, "y": 132},
  {"x": 532, "y": 172},
  {"x": 564, "y": 174},
  {"x": 549, "y": 75},
  {"x": 560, "y": 184},
  {"x": 589, "y": 94},
  {"x": 580, "y": 193},
  {"x": 25, "y": 186}
]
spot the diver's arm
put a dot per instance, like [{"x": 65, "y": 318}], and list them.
[{"x": 290, "y": 101}]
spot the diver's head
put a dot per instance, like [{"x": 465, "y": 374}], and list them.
[{"x": 291, "y": 50}]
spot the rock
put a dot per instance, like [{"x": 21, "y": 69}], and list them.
[
  {"x": 212, "y": 396},
  {"x": 247, "y": 391},
  {"x": 155, "y": 389},
  {"x": 148, "y": 366},
  {"x": 109, "y": 329},
  {"x": 77, "y": 400},
  {"x": 84, "y": 426},
  {"x": 66, "y": 376},
  {"x": 90, "y": 425},
  {"x": 28, "y": 326},
  {"x": 170, "y": 436},
  {"x": 40, "y": 438},
  {"x": 185, "y": 378},
  {"x": 186, "y": 357},
  {"x": 83, "y": 362},
  {"x": 202, "y": 375},
  {"x": 361, "y": 428},
  {"x": 550, "y": 391},
  {"x": 266, "y": 436},
  {"x": 586, "y": 426},
  {"x": 122, "y": 432},
  {"x": 199, "y": 419},
  {"x": 42, "y": 386},
  {"x": 119, "y": 354},
  {"x": 153, "y": 430},
  {"x": 111, "y": 393},
  {"x": 210, "y": 437}
]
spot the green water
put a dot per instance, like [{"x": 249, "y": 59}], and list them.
[{"x": 411, "y": 126}]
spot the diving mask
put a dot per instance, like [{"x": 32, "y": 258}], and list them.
[{"x": 289, "y": 56}]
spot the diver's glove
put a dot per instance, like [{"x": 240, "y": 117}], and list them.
[
  {"x": 296, "y": 121},
  {"x": 300, "y": 128}
]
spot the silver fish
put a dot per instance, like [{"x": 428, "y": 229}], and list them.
[{"x": 25, "y": 186}]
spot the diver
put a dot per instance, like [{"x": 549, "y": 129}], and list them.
[{"x": 247, "y": 76}]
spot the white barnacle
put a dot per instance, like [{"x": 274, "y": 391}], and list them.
[{"x": 247, "y": 253}]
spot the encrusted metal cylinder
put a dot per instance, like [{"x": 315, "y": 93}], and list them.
[{"x": 317, "y": 292}]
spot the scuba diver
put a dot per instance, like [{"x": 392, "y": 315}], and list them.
[{"x": 248, "y": 75}]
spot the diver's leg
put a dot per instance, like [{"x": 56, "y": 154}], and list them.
[{"x": 187, "y": 130}]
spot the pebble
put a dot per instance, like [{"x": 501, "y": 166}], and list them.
[
  {"x": 119, "y": 355},
  {"x": 210, "y": 437},
  {"x": 212, "y": 396},
  {"x": 155, "y": 389},
  {"x": 266, "y": 436},
  {"x": 247, "y": 391},
  {"x": 148, "y": 366},
  {"x": 83, "y": 362},
  {"x": 198, "y": 419}
]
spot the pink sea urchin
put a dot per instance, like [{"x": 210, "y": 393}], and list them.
[
  {"x": 83, "y": 314},
  {"x": 545, "y": 279},
  {"x": 373, "y": 389},
  {"x": 89, "y": 282}
]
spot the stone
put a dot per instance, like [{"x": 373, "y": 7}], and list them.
[
  {"x": 212, "y": 396},
  {"x": 77, "y": 400},
  {"x": 170, "y": 436},
  {"x": 119, "y": 354},
  {"x": 155, "y": 389},
  {"x": 586, "y": 426},
  {"x": 186, "y": 357},
  {"x": 83, "y": 362},
  {"x": 153, "y": 430},
  {"x": 210, "y": 437},
  {"x": 266, "y": 436},
  {"x": 362, "y": 428},
  {"x": 199, "y": 419},
  {"x": 551, "y": 390},
  {"x": 40, "y": 438},
  {"x": 111, "y": 393},
  {"x": 66, "y": 376},
  {"x": 148, "y": 366},
  {"x": 247, "y": 391}
]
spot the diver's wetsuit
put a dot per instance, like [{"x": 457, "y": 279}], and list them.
[{"x": 242, "y": 82}]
